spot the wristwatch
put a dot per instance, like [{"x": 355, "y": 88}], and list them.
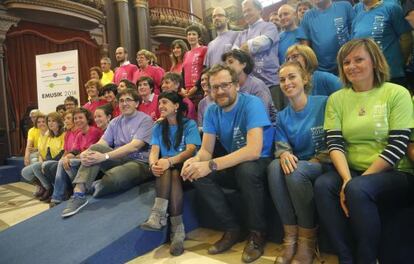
[
  {"x": 212, "y": 165},
  {"x": 106, "y": 156}
]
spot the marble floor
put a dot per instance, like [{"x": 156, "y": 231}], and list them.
[{"x": 17, "y": 204}]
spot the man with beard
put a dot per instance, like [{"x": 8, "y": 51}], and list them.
[
  {"x": 224, "y": 40},
  {"x": 107, "y": 73},
  {"x": 126, "y": 69},
  {"x": 121, "y": 154},
  {"x": 241, "y": 123}
]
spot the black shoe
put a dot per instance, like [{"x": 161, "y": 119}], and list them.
[
  {"x": 254, "y": 247},
  {"x": 228, "y": 239}
]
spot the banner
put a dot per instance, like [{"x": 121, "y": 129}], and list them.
[{"x": 57, "y": 78}]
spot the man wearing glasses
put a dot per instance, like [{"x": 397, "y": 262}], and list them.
[
  {"x": 242, "y": 124},
  {"x": 121, "y": 154}
]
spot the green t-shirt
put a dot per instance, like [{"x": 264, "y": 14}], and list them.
[{"x": 365, "y": 119}]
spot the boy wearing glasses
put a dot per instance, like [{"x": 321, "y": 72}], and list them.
[
  {"x": 121, "y": 154},
  {"x": 242, "y": 124}
]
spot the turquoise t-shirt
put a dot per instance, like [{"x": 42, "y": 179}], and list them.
[
  {"x": 303, "y": 130},
  {"x": 232, "y": 127},
  {"x": 365, "y": 119},
  {"x": 190, "y": 136},
  {"x": 385, "y": 24}
]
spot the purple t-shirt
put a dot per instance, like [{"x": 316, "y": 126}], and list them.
[
  {"x": 202, "y": 107},
  {"x": 220, "y": 45},
  {"x": 266, "y": 59},
  {"x": 257, "y": 87},
  {"x": 123, "y": 129}
]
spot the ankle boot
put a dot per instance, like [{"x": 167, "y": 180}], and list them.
[
  {"x": 289, "y": 244},
  {"x": 306, "y": 246},
  {"x": 158, "y": 217},
  {"x": 177, "y": 235},
  {"x": 46, "y": 195},
  {"x": 40, "y": 189}
]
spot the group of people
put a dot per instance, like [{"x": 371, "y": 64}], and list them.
[{"x": 323, "y": 145}]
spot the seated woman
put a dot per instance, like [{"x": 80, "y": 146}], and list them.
[
  {"x": 109, "y": 92},
  {"x": 368, "y": 128},
  {"x": 54, "y": 150},
  {"x": 70, "y": 162},
  {"x": 299, "y": 139},
  {"x": 174, "y": 140},
  {"x": 207, "y": 100},
  {"x": 323, "y": 83},
  {"x": 33, "y": 163},
  {"x": 93, "y": 90},
  {"x": 31, "y": 153},
  {"x": 102, "y": 116},
  {"x": 149, "y": 103}
]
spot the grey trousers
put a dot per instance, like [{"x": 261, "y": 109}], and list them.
[{"x": 119, "y": 174}]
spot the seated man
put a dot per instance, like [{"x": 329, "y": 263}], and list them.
[
  {"x": 242, "y": 124},
  {"x": 172, "y": 83},
  {"x": 121, "y": 153}
]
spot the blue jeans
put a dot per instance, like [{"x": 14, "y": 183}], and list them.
[
  {"x": 28, "y": 172},
  {"x": 363, "y": 195},
  {"x": 64, "y": 179},
  {"x": 293, "y": 194}
]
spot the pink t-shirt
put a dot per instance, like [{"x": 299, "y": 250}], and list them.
[
  {"x": 116, "y": 112},
  {"x": 91, "y": 106},
  {"x": 70, "y": 137},
  {"x": 191, "y": 112},
  {"x": 84, "y": 141},
  {"x": 193, "y": 66},
  {"x": 155, "y": 72},
  {"x": 150, "y": 108},
  {"x": 178, "y": 68},
  {"x": 124, "y": 72}
]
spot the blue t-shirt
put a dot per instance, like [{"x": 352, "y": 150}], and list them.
[
  {"x": 385, "y": 24},
  {"x": 325, "y": 83},
  {"x": 328, "y": 30},
  {"x": 303, "y": 130},
  {"x": 287, "y": 39},
  {"x": 190, "y": 136},
  {"x": 232, "y": 127}
]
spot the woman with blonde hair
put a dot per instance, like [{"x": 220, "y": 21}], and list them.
[
  {"x": 322, "y": 83},
  {"x": 368, "y": 125}
]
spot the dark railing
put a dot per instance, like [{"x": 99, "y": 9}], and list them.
[{"x": 167, "y": 16}]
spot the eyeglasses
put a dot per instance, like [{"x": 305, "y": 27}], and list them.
[
  {"x": 223, "y": 86},
  {"x": 126, "y": 100},
  {"x": 293, "y": 57}
]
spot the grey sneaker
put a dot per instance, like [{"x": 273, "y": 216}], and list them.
[{"x": 75, "y": 203}]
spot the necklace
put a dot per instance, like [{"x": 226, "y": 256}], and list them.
[{"x": 362, "y": 111}]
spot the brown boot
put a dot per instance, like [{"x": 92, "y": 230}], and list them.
[
  {"x": 306, "y": 246},
  {"x": 46, "y": 195},
  {"x": 40, "y": 189},
  {"x": 290, "y": 240},
  {"x": 228, "y": 239}
]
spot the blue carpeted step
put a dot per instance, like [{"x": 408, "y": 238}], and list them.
[
  {"x": 105, "y": 231},
  {"x": 17, "y": 161},
  {"x": 9, "y": 174}
]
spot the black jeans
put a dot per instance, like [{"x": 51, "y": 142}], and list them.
[{"x": 250, "y": 179}]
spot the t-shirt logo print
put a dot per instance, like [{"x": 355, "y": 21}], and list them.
[{"x": 238, "y": 138}]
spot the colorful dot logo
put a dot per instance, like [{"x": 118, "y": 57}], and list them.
[
  {"x": 64, "y": 68},
  {"x": 55, "y": 75},
  {"x": 67, "y": 79},
  {"x": 51, "y": 85}
]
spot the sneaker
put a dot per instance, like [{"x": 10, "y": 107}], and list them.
[{"x": 75, "y": 203}]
